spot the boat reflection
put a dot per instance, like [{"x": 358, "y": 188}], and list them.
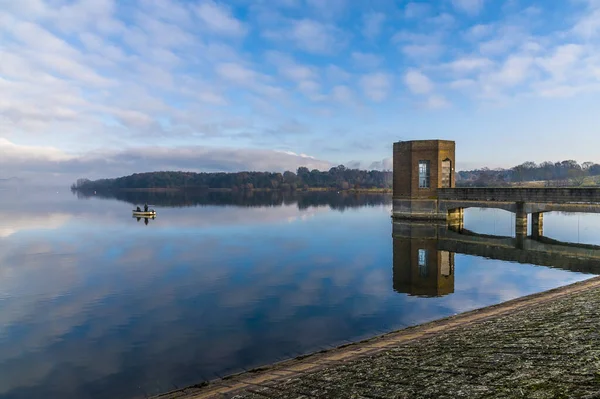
[
  {"x": 145, "y": 219},
  {"x": 423, "y": 254}
]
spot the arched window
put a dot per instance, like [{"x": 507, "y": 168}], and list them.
[{"x": 446, "y": 173}]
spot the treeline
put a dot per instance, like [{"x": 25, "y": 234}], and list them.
[
  {"x": 553, "y": 173},
  {"x": 338, "y": 177},
  {"x": 303, "y": 200}
]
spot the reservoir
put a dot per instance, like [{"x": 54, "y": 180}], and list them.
[{"x": 98, "y": 304}]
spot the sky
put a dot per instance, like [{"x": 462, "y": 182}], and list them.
[{"x": 104, "y": 88}]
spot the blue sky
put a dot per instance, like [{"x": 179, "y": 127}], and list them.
[{"x": 101, "y": 87}]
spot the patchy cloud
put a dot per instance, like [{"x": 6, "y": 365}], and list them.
[
  {"x": 218, "y": 18},
  {"x": 366, "y": 60},
  {"x": 416, "y": 9},
  {"x": 311, "y": 36},
  {"x": 384, "y": 164},
  {"x": 471, "y": 7},
  {"x": 373, "y": 23},
  {"x": 34, "y": 162},
  {"x": 376, "y": 86},
  {"x": 417, "y": 82},
  {"x": 93, "y": 76}
]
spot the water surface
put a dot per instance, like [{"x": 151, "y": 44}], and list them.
[{"x": 97, "y": 304}]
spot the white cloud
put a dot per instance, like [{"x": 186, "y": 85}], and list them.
[
  {"x": 559, "y": 64},
  {"x": 308, "y": 35},
  {"x": 335, "y": 73},
  {"x": 422, "y": 51},
  {"x": 588, "y": 26},
  {"x": 244, "y": 77},
  {"x": 479, "y": 31},
  {"x": 372, "y": 24},
  {"x": 290, "y": 69},
  {"x": 32, "y": 8},
  {"x": 376, "y": 86},
  {"x": 421, "y": 47},
  {"x": 328, "y": 9},
  {"x": 366, "y": 60},
  {"x": 315, "y": 37},
  {"x": 342, "y": 94},
  {"x": 441, "y": 21},
  {"x": 217, "y": 18},
  {"x": 54, "y": 54},
  {"x": 437, "y": 101},
  {"x": 469, "y": 64},
  {"x": 298, "y": 72},
  {"x": 506, "y": 38},
  {"x": 236, "y": 73},
  {"x": 416, "y": 10},
  {"x": 384, "y": 164},
  {"x": 77, "y": 16},
  {"x": 460, "y": 84},
  {"x": 311, "y": 89},
  {"x": 405, "y": 36},
  {"x": 162, "y": 34},
  {"x": 514, "y": 71},
  {"x": 558, "y": 91},
  {"x": 471, "y": 7},
  {"x": 417, "y": 82}
]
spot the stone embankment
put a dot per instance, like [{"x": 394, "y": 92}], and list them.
[{"x": 541, "y": 346}]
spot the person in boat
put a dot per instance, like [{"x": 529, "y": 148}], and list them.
[
  {"x": 138, "y": 209},
  {"x": 145, "y": 207}
]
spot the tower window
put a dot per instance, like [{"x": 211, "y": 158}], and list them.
[
  {"x": 424, "y": 174},
  {"x": 422, "y": 258},
  {"x": 446, "y": 173}
]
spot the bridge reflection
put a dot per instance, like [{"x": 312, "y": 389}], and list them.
[{"x": 423, "y": 254}]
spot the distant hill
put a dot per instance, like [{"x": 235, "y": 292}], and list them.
[{"x": 339, "y": 177}]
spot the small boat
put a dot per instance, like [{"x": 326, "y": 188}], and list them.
[{"x": 149, "y": 213}]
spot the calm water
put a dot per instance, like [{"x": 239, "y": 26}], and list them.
[{"x": 96, "y": 304}]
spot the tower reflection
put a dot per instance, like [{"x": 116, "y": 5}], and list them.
[
  {"x": 420, "y": 268},
  {"x": 423, "y": 254}
]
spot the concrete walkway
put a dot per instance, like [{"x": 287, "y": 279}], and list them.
[{"x": 541, "y": 346}]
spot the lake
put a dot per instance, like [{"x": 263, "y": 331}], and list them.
[{"x": 98, "y": 304}]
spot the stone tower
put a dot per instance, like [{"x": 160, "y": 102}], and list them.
[{"x": 421, "y": 167}]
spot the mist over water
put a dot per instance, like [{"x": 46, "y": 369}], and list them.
[{"x": 98, "y": 304}]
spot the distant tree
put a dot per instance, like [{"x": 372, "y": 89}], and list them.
[
  {"x": 594, "y": 170},
  {"x": 289, "y": 177},
  {"x": 587, "y": 165},
  {"x": 302, "y": 172}
]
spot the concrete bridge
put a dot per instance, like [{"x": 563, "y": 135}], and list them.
[
  {"x": 424, "y": 254},
  {"x": 425, "y": 189}
]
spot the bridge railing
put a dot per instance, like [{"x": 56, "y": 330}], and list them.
[{"x": 583, "y": 195}]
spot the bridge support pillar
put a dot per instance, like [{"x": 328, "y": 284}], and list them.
[
  {"x": 521, "y": 220},
  {"x": 456, "y": 218},
  {"x": 537, "y": 224}
]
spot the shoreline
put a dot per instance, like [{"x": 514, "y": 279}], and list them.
[{"x": 296, "y": 367}]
